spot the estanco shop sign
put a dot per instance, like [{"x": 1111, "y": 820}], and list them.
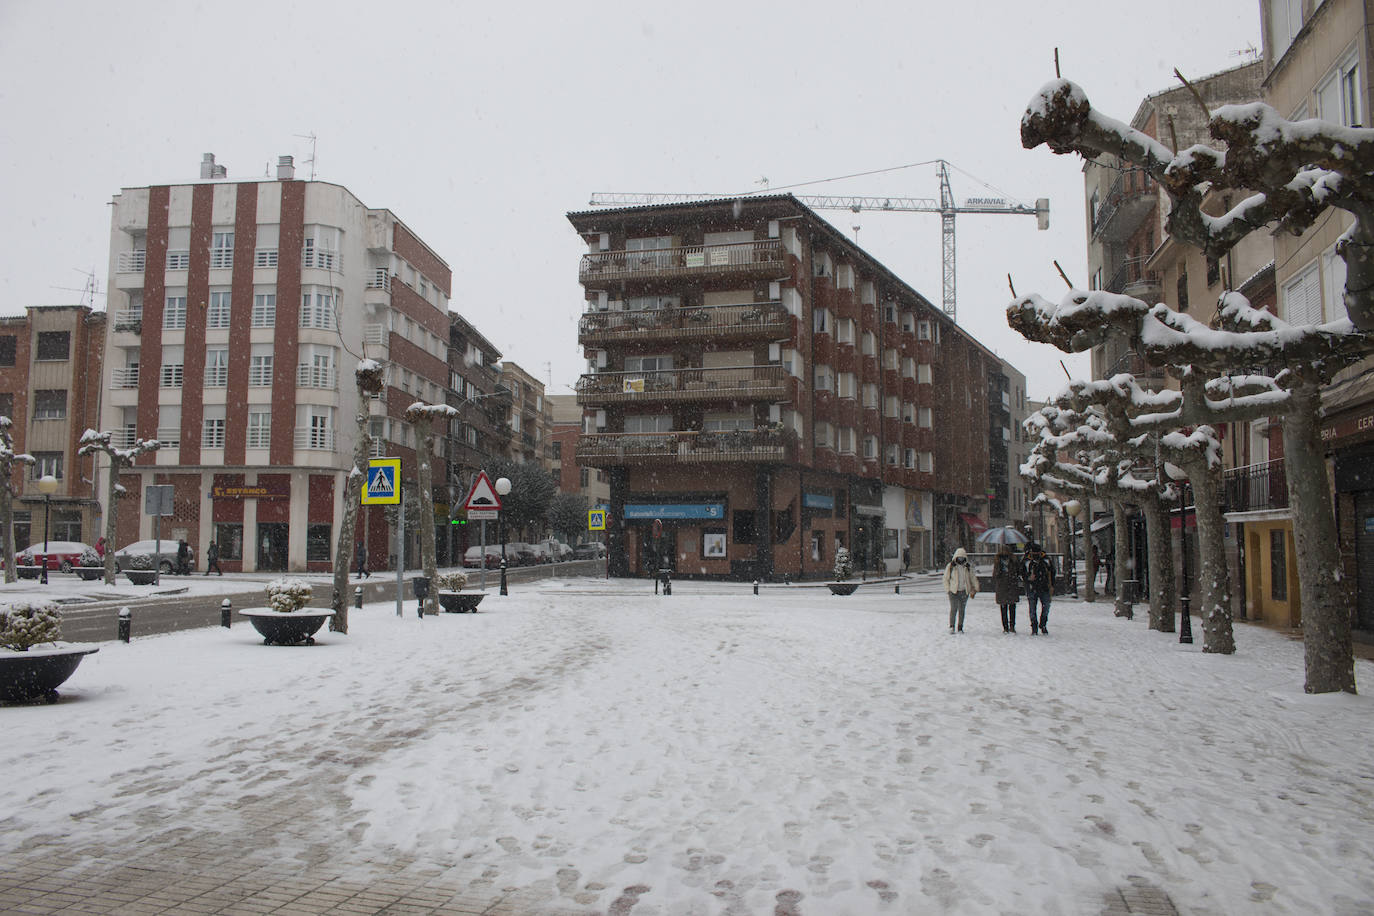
[{"x": 674, "y": 510}]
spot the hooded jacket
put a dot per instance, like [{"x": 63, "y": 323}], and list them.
[{"x": 960, "y": 577}]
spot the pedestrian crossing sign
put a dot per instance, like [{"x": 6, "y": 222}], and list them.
[
  {"x": 596, "y": 519},
  {"x": 383, "y": 485}
]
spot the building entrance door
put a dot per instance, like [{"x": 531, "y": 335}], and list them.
[{"x": 272, "y": 546}]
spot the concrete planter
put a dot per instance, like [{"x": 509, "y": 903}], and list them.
[
  {"x": 460, "y": 602},
  {"x": 38, "y": 672},
  {"x": 842, "y": 588},
  {"x": 290, "y": 629}
]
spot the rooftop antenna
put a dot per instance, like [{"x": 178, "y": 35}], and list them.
[
  {"x": 312, "y": 138},
  {"x": 1250, "y": 52},
  {"x": 88, "y": 291}
]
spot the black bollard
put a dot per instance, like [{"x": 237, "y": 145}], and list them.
[
  {"x": 897, "y": 589},
  {"x": 125, "y": 624},
  {"x": 667, "y": 582},
  {"x": 358, "y": 597},
  {"x": 756, "y": 586},
  {"x": 225, "y": 612}
]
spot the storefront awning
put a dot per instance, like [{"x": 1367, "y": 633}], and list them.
[
  {"x": 974, "y": 522},
  {"x": 1103, "y": 523}
]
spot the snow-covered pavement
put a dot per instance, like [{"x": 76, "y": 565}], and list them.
[{"x": 586, "y": 746}]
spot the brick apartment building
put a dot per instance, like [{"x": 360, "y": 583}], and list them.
[
  {"x": 480, "y": 431},
  {"x": 530, "y": 418},
  {"x": 50, "y": 360},
  {"x": 767, "y": 391},
  {"x": 238, "y": 313}
]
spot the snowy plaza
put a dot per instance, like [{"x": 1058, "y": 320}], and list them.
[{"x": 585, "y": 746}]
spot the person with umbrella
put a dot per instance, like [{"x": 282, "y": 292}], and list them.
[{"x": 1007, "y": 571}]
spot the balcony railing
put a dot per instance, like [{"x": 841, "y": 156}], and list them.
[
  {"x": 132, "y": 262},
  {"x": 123, "y": 438},
  {"x": 1127, "y": 202},
  {"x": 179, "y": 259},
  {"x": 169, "y": 436},
  {"x": 265, "y": 257},
  {"x": 315, "y": 377},
  {"x": 1131, "y": 271},
  {"x": 689, "y": 260},
  {"x": 308, "y": 437},
  {"x": 126, "y": 377},
  {"x": 321, "y": 258},
  {"x": 737, "y": 383},
  {"x": 374, "y": 334},
  {"x": 748, "y": 445},
  {"x": 1256, "y": 486},
  {"x": 129, "y": 320},
  {"x": 221, "y": 258},
  {"x": 380, "y": 278},
  {"x": 714, "y": 321}
]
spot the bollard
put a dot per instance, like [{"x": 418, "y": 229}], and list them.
[
  {"x": 897, "y": 589},
  {"x": 667, "y": 580},
  {"x": 756, "y": 586},
  {"x": 358, "y": 597},
  {"x": 225, "y": 609},
  {"x": 125, "y": 623},
  {"x": 655, "y": 585}
]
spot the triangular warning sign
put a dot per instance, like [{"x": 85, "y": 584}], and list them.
[
  {"x": 483, "y": 494},
  {"x": 380, "y": 482}
]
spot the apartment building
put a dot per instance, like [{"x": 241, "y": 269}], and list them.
[
  {"x": 50, "y": 360},
  {"x": 761, "y": 391},
  {"x": 530, "y": 418},
  {"x": 593, "y": 484},
  {"x": 239, "y": 311},
  {"x": 481, "y": 430},
  {"x": 1317, "y": 64},
  {"x": 1008, "y": 494}
]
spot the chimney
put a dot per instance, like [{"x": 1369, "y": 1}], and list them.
[
  {"x": 286, "y": 169},
  {"x": 207, "y": 166}
]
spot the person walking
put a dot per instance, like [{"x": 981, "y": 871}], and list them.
[
  {"x": 360, "y": 560},
  {"x": 906, "y": 558},
  {"x": 183, "y": 558},
  {"x": 1039, "y": 577},
  {"x": 212, "y": 559},
  {"x": 1006, "y": 584},
  {"x": 100, "y": 547},
  {"x": 961, "y": 584}
]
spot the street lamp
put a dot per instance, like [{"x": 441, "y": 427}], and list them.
[
  {"x": 47, "y": 485},
  {"x": 1071, "y": 509},
  {"x": 1185, "y": 624},
  {"x": 502, "y": 488}
]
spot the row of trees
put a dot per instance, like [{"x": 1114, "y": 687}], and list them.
[{"x": 1118, "y": 441}]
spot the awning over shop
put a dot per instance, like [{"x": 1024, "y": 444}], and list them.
[
  {"x": 974, "y": 522},
  {"x": 1103, "y": 523}
]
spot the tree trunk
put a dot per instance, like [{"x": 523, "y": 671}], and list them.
[
  {"x": 1090, "y": 589},
  {"x": 424, "y": 434},
  {"x": 7, "y": 530},
  {"x": 1121, "y": 548},
  {"x": 353, "y": 492},
  {"x": 111, "y": 518},
  {"x": 1327, "y": 648},
  {"x": 1214, "y": 581},
  {"x": 1163, "y": 588}
]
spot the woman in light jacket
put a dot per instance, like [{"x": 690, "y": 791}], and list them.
[{"x": 961, "y": 584}]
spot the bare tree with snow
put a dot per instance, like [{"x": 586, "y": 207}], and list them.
[
  {"x": 1291, "y": 172},
  {"x": 422, "y": 417},
  {"x": 120, "y": 458},
  {"x": 8, "y": 459},
  {"x": 367, "y": 378}
]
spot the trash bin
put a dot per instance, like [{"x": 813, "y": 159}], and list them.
[
  {"x": 420, "y": 585},
  {"x": 1130, "y": 590}
]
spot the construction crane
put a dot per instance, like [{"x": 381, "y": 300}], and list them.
[{"x": 945, "y": 206}]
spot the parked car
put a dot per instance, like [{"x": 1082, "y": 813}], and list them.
[
  {"x": 62, "y": 555},
  {"x": 541, "y": 552},
  {"x": 166, "y": 553},
  {"x": 472, "y": 559},
  {"x": 589, "y": 550},
  {"x": 558, "y": 551}
]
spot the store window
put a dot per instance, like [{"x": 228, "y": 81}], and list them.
[
  {"x": 229, "y": 540},
  {"x": 317, "y": 541}
]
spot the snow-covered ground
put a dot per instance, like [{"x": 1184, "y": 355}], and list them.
[{"x": 726, "y": 753}]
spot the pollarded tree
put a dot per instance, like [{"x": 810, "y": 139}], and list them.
[
  {"x": 8, "y": 459},
  {"x": 1291, "y": 172},
  {"x": 367, "y": 379},
  {"x": 422, "y": 417},
  {"x": 120, "y": 458},
  {"x": 568, "y": 514}
]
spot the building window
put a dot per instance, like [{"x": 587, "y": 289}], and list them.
[
  {"x": 909, "y": 459},
  {"x": 558, "y": 451},
  {"x": 890, "y": 359},
  {"x": 229, "y": 540},
  {"x": 821, "y": 436},
  {"x": 174, "y": 315},
  {"x": 870, "y": 447},
  {"x": 583, "y": 478},
  {"x": 870, "y": 344},
  {"x": 265, "y": 310},
  {"x": 53, "y": 345},
  {"x": 317, "y": 309},
  {"x": 260, "y": 370},
  {"x": 824, "y": 382},
  {"x": 871, "y": 397},
  {"x": 46, "y": 463},
  {"x": 923, "y": 374},
  {"x": 1213, "y": 271},
  {"x": 1338, "y": 96},
  {"x": 217, "y": 315},
  {"x": 845, "y": 440},
  {"x": 222, "y": 250},
  {"x": 1278, "y": 564},
  {"x": 1183, "y": 290},
  {"x": 213, "y": 434},
  {"x": 744, "y": 525},
  {"x": 924, "y": 417},
  {"x": 844, "y": 331},
  {"x": 317, "y": 541},
  {"x": 172, "y": 367},
  {"x": 7, "y": 349},
  {"x": 216, "y": 368},
  {"x": 893, "y": 455},
  {"x": 259, "y": 428},
  {"x": 892, "y": 406},
  {"x": 1302, "y": 298},
  {"x": 820, "y": 321},
  {"x": 847, "y": 385},
  {"x": 926, "y": 462},
  {"x": 7, "y": 405},
  {"x": 923, "y": 330},
  {"x": 50, "y": 404}
]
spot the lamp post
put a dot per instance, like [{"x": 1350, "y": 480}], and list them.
[
  {"x": 502, "y": 488},
  {"x": 47, "y": 485},
  {"x": 1071, "y": 509}
]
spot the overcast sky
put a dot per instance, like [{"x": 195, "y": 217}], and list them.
[{"x": 482, "y": 125}]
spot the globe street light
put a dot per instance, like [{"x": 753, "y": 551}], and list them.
[
  {"x": 47, "y": 485},
  {"x": 1071, "y": 509},
  {"x": 502, "y": 488}
]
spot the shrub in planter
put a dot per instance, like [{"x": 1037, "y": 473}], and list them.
[
  {"x": 90, "y": 558},
  {"x": 139, "y": 562},
  {"x": 451, "y": 581},
  {"x": 844, "y": 566},
  {"x": 288, "y": 595},
  {"x": 90, "y": 566},
  {"x": 24, "y": 625}
]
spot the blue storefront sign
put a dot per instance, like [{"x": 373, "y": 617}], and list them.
[
  {"x": 675, "y": 510},
  {"x": 817, "y": 501}
]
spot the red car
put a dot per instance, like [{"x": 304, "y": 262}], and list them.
[{"x": 62, "y": 555}]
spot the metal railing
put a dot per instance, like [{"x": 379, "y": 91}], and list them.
[
  {"x": 265, "y": 257},
  {"x": 315, "y": 377},
  {"x": 1132, "y": 270},
  {"x": 180, "y": 259},
  {"x": 126, "y": 377},
  {"x": 124, "y": 438},
  {"x": 308, "y": 437},
  {"x": 169, "y": 436},
  {"x": 128, "y": 320},
  {"x": 738, "y": 257},
  {"x": 705, "y": 321},
  {"x": 380, "y": 278},
  {"x": 221, "y": 258},
  {"x": 321, "y": 258},
  {"x": 1130, "y": 186},
  {"x": 132, "y": 262},
  {"x": 216, "y": 376},
  {"x": 732, "y": 383},
  {"x": 687, "y": 447},
  {"x": 1256, "y": 486}
]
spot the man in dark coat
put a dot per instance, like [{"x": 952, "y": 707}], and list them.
[
  {"x": 1039, "y": 578},
  {"x": 183, "y": 558},
  {"x": 360, "y": 559},
  {"x": 212, "y": 559},
  {"x": 1006, "y": 583}
]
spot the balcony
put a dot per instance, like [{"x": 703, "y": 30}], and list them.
[
  {"x": 764, "y": 258},
  {"x": 131, "y": 262},
  {"x": 265, "y": 258},
  {"x": 321, "y": 259},
  {"x": 309, "y": 437},
  {"x": 744, "y": 383},
  {"x": 123, "y": 438},
  {"x": 602, "y": 450},
  {"x": 317, "y": 377},
  {"x": 1129, "y": 200},
  {"x": 179, "y": 259},
  {"x": 126, "y": 377},
  {"x": 379, "y": 278},
  {"x": 717, "y": 322},
  {"x": 1256, "y": 487}
]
